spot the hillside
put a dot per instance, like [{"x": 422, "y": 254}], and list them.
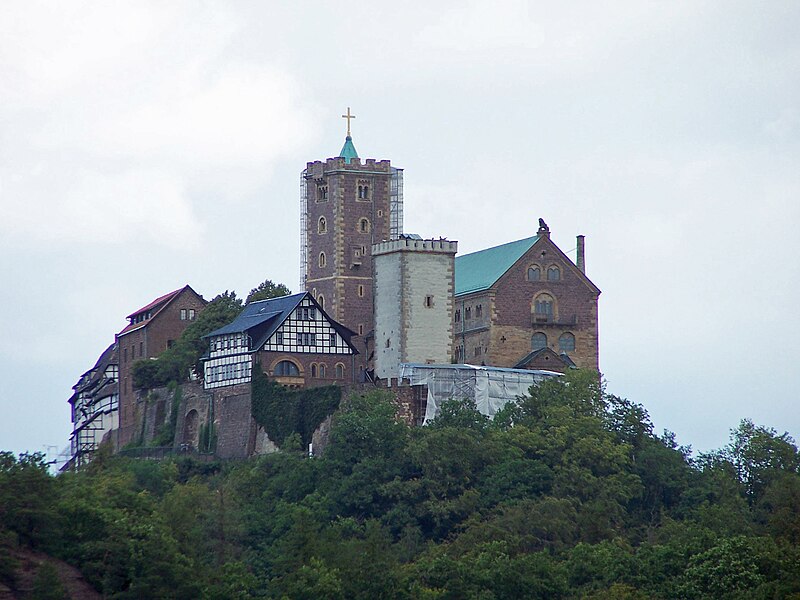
[{"x": 569, "y": 494}]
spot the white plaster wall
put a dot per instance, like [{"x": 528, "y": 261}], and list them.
[
  {"x": 429, "y": 334},
  {"x": 388, "y": 320}
]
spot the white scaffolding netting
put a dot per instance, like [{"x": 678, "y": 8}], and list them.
[{"x": 491, "y": 388}]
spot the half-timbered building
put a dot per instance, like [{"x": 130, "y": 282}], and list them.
[
  {"x": 293, "y": 340},
  {"x": 94, "y": 406}
]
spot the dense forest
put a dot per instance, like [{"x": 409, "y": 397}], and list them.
[{"x": 567, "y": 494}]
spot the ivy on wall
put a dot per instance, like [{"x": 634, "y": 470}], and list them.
[{"x": 282, "y": 411}]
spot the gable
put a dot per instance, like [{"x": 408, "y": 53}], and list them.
[
  {"x": 553, "y": 257},
  {"x": 307, "y": 329}
]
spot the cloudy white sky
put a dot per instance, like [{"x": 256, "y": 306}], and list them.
[{"x": 146, "y": 145}]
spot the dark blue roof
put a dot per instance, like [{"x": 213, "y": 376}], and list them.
[{"x": 260, "y": 319}]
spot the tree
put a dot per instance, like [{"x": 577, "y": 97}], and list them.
[
  {"x": 267, "y": 290},
  {"x": 174, "y": 363}
]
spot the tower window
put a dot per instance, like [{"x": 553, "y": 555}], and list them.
[
  {"x": 363, "y": 225},
  {"x": 458, "y": 316},
  {"x": 429, "y": 301},
  {"x": 360, "y": 291},
  {"x": 360, "y": 329},
  {"x": 322, "y": 193},
  {"x": 322, "y": 260},
  {"x": 566, "y": 343},
  {"x": 322, "y": 225},
  {"x": 478, "y": 311},
  {"x": 553, "y": 274},
  {"x": 363, "y": 189},
  {"x": 321, "y": 300},
  {"x": 467, "y": 313},
  {"x": 543, "y": 306},
  {"x": 538, "y": 341}
]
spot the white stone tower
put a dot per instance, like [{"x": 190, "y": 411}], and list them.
[{"x": 414, "y": 283}]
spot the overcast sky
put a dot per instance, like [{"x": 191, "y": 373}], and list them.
[{"x": 144, "y": 146}]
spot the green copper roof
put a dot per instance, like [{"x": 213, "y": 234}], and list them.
[
  {"x": 348, "y": 152},
  {"x": 479, "y": 270}
]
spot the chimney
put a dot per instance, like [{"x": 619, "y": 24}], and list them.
[{"x": 581, "y": 260}]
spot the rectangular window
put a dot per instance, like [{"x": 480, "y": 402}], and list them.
[
  {"x": 191, "y": 314},
  {"x": 141, "y": 349},
  {"x": 333, "y": 339},
  {"x": 279, "y": 338},
  {"x": 183, "y": 314}
]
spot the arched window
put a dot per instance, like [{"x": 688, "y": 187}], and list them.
[
  {"x": 458, "y": 316},
  {"x": 313, "y": 370},
  {"x": 286, "y": 368},
  {"x": 543, "y": 308},
  {"x": 553, "y": 273},
  {"x": 322, "y": 370},
  {"x": 478, "y": 311},
  {"x": 322, "y": 225},
  {"x": 339, "y": 371},
  {"x": 468, "y": 313},
  {"x": 322, "y": 260},
  {"x": 321, "y": 300},
  {"x": 363, "y": 225},
  {"x": 534, "y": 273},
  {"x": 538, "y": 341},
  {"x": 566, "y": 343}
]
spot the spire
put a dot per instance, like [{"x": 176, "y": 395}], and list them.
[{"x": 348, "y": 152}]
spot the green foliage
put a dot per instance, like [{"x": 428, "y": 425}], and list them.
[
  {"x": 267, "y": 290},
  {"x": 567, "y": 494},
  {"x": 47, "y": 585},
  {"x": 166, "y": 433},
  {"x": 174, "y": 364},
  {"x": 282, "y": 411},
  {"x": 208, "y": 437}
]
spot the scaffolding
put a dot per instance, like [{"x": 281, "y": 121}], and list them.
[
  {"x": 303, "y": 229},
  {"x": 396, "y": 204},
  {"x": 491, "y": 388}
]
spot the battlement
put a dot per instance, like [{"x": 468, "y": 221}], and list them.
[
  {"x": 369, "y": 165},
  {"x": 440, "y": 246}
]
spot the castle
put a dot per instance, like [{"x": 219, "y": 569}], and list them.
[{"x": 378, "y": 307}]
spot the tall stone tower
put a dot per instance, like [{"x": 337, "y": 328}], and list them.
[
  {"x": 346, "y": 206},
  {"x": 414, "y": 284}
]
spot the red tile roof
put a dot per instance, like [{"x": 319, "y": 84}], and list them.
[{"x": 158, "y": 303}]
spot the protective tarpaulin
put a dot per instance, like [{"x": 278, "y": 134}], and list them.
[{"x": 491, "y": 388}]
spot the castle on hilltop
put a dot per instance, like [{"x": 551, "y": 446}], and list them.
[{"x": 378, "y": 307}]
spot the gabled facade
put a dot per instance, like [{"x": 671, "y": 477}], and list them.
[
  {"x": 150, "y": 330},
  {"x": 94, "y": 406},
  {"x": 291, "y": 337},
  {"x": 523, "y": 296}
]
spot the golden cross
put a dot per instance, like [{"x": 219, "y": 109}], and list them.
[{"x": 348, "y": 116}]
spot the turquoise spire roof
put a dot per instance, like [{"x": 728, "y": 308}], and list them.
[{"x": 348, "y": 152}]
